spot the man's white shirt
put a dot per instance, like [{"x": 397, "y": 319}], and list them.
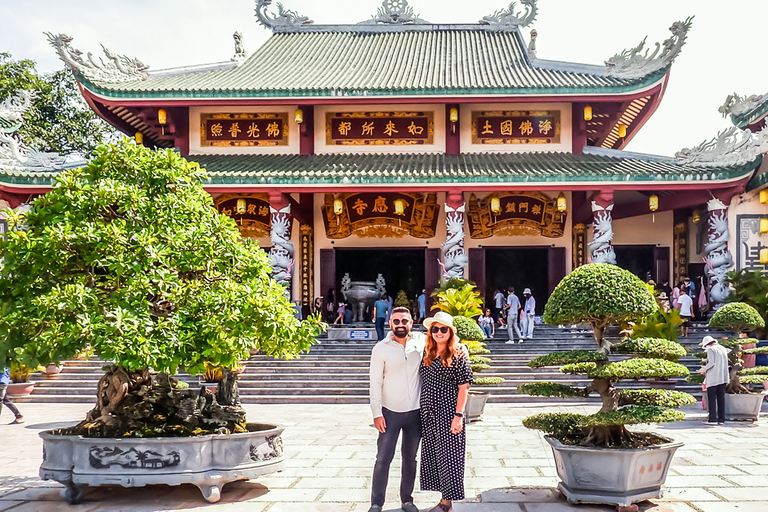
[{"x": 394, "y": 374}]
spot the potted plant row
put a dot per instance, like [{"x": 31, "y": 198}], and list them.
[{"x": 598, "y": 458}]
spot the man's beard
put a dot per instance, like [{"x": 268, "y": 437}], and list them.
[{"x": 400, "y": 332}]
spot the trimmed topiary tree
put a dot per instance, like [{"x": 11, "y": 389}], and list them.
[
  {"x": 129, "y": 257},
  {"x": 603, "y": 295},
  {"x": 473, "y": 336}
]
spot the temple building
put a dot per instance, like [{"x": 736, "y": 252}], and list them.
[{"x": 415, "y": 151}]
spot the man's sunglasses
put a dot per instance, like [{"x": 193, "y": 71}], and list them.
[
  {"x": 436, "y": 329},
  {"x": 397, "y": 321}
]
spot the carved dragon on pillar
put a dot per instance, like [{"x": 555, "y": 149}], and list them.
[
  {"x": 600, "y": 246},
  {"x": 454, "y": 256},
  {"x": 719, "y": 259},
  {"x": 281, "y": 253}
]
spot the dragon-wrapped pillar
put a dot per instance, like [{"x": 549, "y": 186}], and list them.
[
  {"x": 281, "y": 253},
  {"x": 454, "y": 256},
  {"x": 602, "y": 229},
  {"x": 719, "y": 259}
]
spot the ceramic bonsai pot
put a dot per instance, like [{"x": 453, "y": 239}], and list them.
[
  {"x": 52, "y": 370},
  {"x": 475, "y": 405},
  {"x": 209, "y": 462},
  {"x": 615, "y": 476},
  {"x": 20, "y": 389},
  {"x": 743, "y": 407}
]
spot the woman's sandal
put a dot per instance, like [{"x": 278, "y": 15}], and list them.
[{"x": 442, "y": 507}]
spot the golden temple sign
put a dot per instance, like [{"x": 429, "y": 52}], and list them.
[
  {"x": 518, "y": 214},
  {"x": 516, "y": 127},
  {"x": 379, "y": 128},
  {"x": 380, "y": 215},
  {"x": 250, "y": 211},
  {"x": 244, "y": 130}
]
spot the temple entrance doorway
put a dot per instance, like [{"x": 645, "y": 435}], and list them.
[{"x": 645, "y": 261}]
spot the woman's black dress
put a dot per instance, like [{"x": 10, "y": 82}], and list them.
[{"x": 442, "y": 453}]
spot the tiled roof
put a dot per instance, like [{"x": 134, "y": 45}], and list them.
[
  {"x": 752, "y": 116},
  {"x": 353, "y": 61}
]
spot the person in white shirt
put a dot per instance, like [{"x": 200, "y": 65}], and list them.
[
  {"x": 498, "y": 304},
  {"x": 529, "y": 311},
  {"x": 513, "y": 311},
  {"x": 685, "y": 303},
  {"x": 717, "y": 377}
]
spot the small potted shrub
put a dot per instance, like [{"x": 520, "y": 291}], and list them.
[
  {"x": 21, "y": 385},
  {"x": 621, "y": 466},
  {"x": 472, "y": 335}
]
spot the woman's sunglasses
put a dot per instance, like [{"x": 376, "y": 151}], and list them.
[{"x": 437, "y": 329}]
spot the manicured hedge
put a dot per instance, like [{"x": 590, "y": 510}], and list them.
[
  {"x": 660, "y": 397},
  {"x": 652, "y": 347},
  {"x": 572, "y": 356},
  {"x": 737, "y": 317},
  {"x": 552, "y": 389},
  {"x": 467, "y": 329},
  {"x": 639, "y": 368}
]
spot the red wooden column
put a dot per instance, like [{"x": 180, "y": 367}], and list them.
[
  {"x": 602, "y": 228},
  {"x": 281, "y": 252}
]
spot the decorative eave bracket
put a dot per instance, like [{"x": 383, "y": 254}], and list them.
[
  {"x": 635, "y": 64},
  {"x": 284, "y": 18},
  {"x": 395, "y": 12},
  {"x": 119, "y": 68},
  {"x": 731, "y": 148},
  {"x": 508, "y": 18}
]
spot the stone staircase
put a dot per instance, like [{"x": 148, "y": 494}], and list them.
[{"x": 336, "y": 371}]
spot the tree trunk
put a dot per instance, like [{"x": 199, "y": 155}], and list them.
[{"x": 608, "y": 394}]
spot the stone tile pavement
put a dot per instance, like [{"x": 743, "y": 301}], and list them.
[{"x": 330, "y": 451}]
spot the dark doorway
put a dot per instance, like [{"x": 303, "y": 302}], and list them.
[
  {"x": 638, "y": 259},
  {"x": 521, "y": 268},
  {"x": 403, "y": 269}
]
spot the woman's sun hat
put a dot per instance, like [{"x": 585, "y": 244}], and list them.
[
  {"x": 441, "y": 317},
  {"x": 707, "y": 340}
]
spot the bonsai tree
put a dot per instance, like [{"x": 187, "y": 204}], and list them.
[
  {"x": 472, "y": 336},
  {"x": 750, "y": 287},
  {"x": 129, "y": 257},
  {"x": 602, "y": 295}
]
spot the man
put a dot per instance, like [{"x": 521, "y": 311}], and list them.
[
  {"x": 685, "y": 304},
  {"x": 380, "y": 313},
  {"x": 529, "y": 311},
  {"x": 716, "y": 377},
  {"x": 498, "y": 304},
  {"x": 422, "y": 305},
  {"x": 5, "y": 379},
  {"x": 513, "y": 310},
  {"x": 394, "y": 394}
]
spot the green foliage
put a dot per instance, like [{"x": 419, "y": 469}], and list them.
[
  {"x": 578, "y": 368},
  {"x": 750, "y": 287},
  {"x": 695, "y": 378},
  {"x": 754, "y": 370},
  {"x": 552, "y": 389},
  {"x": 454, "y": 282},
  {"x": 129, "y": 256},
  {"x": 756, "y": 350},
  {"x": 571, "y": 356},
  {"x": 59, "y": 119},
  {"x": 402, "y": 300},
  {"x": 467, "y": 329},
  {"x": 599, "y": 294},
  {"x": 660, "y": 397},
  {"x": 734, "y": 342},
  {"x": 650, "y": 347},
  {"x": 488, "y": 381},
  {"x": 639, "y": 368},
  {"x": 476, "y": 348},
  {"x": 559, "y": 425},
  {"x": 659, "y": 324},
  {"x": 737, "y": 317},
  {"x": 756, "y": 379},
  {"x": 633, "y": 415},
  {"x": 457, "y": 302}
]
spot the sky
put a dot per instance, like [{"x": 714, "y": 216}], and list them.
[{"x": 724, "y": 53}]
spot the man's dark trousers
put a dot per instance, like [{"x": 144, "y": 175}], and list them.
[
  {"x": 380, "y": 327},
  {"x": 6, "y": 400},
  {"x": 716, "y": 403},
  {"x": 410, "y": 423}
]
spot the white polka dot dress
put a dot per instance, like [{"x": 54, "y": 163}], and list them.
[{"x": 442, "y": 453}]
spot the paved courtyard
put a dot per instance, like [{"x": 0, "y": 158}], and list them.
[{"x": 330, "y": 451}]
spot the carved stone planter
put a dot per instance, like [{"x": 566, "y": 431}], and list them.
[
  {"x": 208, "y": 462},
  {"x": 20, "y": 389},
  {"x": 743, "y": 407},
  {"x": 603, "y": 475},
  {"x": 476, "y": 401}
]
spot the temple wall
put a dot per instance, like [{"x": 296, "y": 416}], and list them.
[{"x": 745, "y": 243}]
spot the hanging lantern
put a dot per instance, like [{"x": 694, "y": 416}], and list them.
[
  {"x": 298, "y": 116},
  {"x": 162, "y": 117},
  {"x": 622, "y": 128},
  {"x": 764, "y": 196},
  {"x": 764, "y": 256},
  {"x": 653, "y": 202},
  {"x": 696, "y": 216},
  {"x": 453, "y": 115},
  {"x": 241, "y": 206},
  {"x": 399, "y": 207},
  {"x": 587, "y": 113},
  {"x": 496, "y": 205},
  {"x": 338, "y": 206},
  {"x": 562, "y": 205},
  {"x": 763, "y": 225},
  {"x": 139, "y": 137}
]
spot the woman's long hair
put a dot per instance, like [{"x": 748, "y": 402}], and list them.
[{"x": 430, "y": 350}]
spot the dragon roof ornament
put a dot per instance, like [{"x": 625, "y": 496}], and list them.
[
  {"x": 13, "y": 153},
  {"x": 635, "y": 64},
  {"x": 508, "y": 18},
  {"x": 117, "y": 69},
  {"x": 732, "y": 147},
  {"x": 736, "y": 105},
  {"x": 285, "y": 18},
  {"x": 12, "y": 110},
  {"x": 394, "y": 12}
]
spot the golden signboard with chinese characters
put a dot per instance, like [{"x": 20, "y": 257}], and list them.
[
  {"x": 518, "y": 214},
  {"x": 250, "y": 211},
  {"x": 379, "y": 128},
  {"x": 244, "y": 130},
  {"x": 516, "y": 127},
  {"x": 380, "y": 215},
  {"x": 579, "y": 245}
]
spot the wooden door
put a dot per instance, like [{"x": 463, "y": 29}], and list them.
[
  {"x": 477, "y": 272},
  {"x": 556, "y": 267},
  {"x": 431, "y": 274},
  {"x": 660, "y": 264},
  {"x": 328, "y": 277}
]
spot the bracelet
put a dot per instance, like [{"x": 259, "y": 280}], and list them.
[{"x": 459, "y": 414}]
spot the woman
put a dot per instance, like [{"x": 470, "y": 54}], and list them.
[
  {"x": 445, "y": 380},
  {"x": 486, "y": 324}
]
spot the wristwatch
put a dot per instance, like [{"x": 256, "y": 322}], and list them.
[{"x": 459, "y": 414}]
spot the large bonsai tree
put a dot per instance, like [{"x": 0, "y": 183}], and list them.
[
  {"x": 750, "y": 287},
  {"x": 128, "y": 256},
  {"x": 603, "y": 295}
]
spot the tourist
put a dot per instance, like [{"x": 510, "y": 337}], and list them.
[
  {"x": 498, "y": 304},
  {"x": 394, "y": 396},
  {"x": 486, "y": 324},
  {"x": 664, "y": 301},
  {"x": 349, "y": 315},
  {"x": 331, "y": 298},
  {"x": 513, "y": 311},
  {"x": 685, "y": 304},
  {"x": 317, "y": 307},
  {"x": 422, "y": 300},
  {"x": 716, "y": 377},
  {"x": 340, "y": 313},
  {"x": 380, "y": 313},
  {"x": 529, "y": 313},
  {"x": 445, "y": 379},
  {"x": 5, "y": 379}
]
